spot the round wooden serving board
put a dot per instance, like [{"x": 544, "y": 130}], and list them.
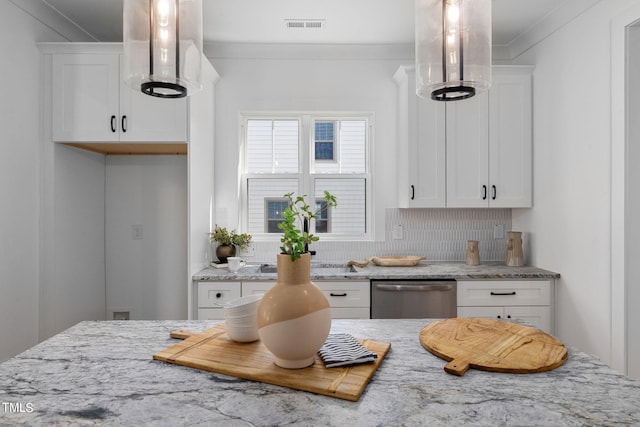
[{"x": 492, "y": 345}]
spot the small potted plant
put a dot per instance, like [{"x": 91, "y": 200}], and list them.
[
  {"x": 294, "y": 316},
  {"x": 228, "y": 242}
]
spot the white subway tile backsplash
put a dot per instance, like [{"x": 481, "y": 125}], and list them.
[{"x": 438, "y": 234}]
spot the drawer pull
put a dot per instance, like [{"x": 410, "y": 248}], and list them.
[
  {"x": 218, "y": 295},
  {"x": 344, "y": 294},
  {"x": 503, "y": 293}
]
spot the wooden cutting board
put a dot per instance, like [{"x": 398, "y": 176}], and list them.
[
  {"x": 212, "y": 350},
  {"x": 492, "y": 345}
]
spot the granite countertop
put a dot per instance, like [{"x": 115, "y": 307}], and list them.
[
  {"x": 424, "y": 270},
  {"x": 102, "y": 373}
]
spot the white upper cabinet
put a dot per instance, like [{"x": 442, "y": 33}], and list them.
[
  {"x": 421, "y": 146},
  {"x": 510, "y": 138},
  {"x": 91, "y": 103},
  {"x": 467, "y": 154}
]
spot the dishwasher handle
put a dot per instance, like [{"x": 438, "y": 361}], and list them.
[{"x": 422, "y": 287}]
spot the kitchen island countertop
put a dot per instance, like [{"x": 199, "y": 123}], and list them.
[
  {"x": 424, "y": 270},
  {"x": 102, "y": 373}
]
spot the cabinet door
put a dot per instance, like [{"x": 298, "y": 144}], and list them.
[
  {"x": 145, "y": 118},
  {"x": 467, "y": 152},
  {"x": 85, "y": 97},
  {"x": 421, "y": 146},
  {"x": 482, "y": 312},
  {"x": 510, "y": 137},
  {"x": 536, "y": 316}
]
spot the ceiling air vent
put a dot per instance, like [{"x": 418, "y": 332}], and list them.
[{"x": 304, "y": 23}]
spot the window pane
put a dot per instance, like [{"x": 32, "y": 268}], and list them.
[
  {"x": 348, "y": 147},
  {"x": 272, "y": 146},
  {"x": 274, "y": 209},
  {"x": 324, "y": 139},
  {"x": 353, "y": 135},
  {"x": 261, "y": 190},
  {"x": 322, "y": 217},
  {"x": 349, "y": 217}
]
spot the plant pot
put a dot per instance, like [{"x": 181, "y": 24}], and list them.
[
  {"x": 225, "y": 251},
  {"x": 294, "y": 316}
]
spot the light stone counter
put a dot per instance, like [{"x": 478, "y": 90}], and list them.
[
  {"x": 102, "y": 373},
  {"x": 424, "y": 270}
]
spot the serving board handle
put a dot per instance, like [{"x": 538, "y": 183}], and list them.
[{"x": 457, "y": 367}]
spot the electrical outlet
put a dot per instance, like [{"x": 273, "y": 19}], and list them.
[
  {"x": 498, "y": 231},
  {"x": 136, "y": 231},
  {"x": 398, "y": 232}
]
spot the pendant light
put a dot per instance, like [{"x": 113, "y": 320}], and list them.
[
  {"x": 163, "y": 46},
  {"x": 453, "y": 48}
]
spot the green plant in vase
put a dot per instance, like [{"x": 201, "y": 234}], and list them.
[
  {"x": 228, "y": 241},
  {"x": 295, "y": 225}
]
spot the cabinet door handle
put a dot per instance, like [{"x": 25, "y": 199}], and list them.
[
  {"x": 123, "y": 123},
  {"x": 113, "y": 123},
  {"x": 413, "y": 192},
  {"x": 338, "y": 295},
  {"x": 495, "y": 192},
  {"x": 484, "y": 192},
  {"x": 503, "y": 293}
]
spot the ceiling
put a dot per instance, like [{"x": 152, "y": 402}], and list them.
[{"x": 345, "y": 21}]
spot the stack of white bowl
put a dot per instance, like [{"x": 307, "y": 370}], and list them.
[{"x": 241, "y": 318}]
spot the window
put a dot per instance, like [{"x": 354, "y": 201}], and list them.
[{"x": 281, "y": 157}]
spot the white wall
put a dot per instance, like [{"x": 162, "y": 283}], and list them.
[
  {"x": 571, "y": 219},
  {"x": 632, "y": 226},
  {"x": 20, "y": 178},
  {"x": 305, "y": 78},
  {"x": 146, "y": 276}
]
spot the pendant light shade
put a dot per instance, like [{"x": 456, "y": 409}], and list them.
[
  {"x": 163, "y": 46},
  {"x": 453, "y": 48}
]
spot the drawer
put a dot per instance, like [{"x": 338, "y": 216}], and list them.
[
  {"x": 250, "y": 288},
  {"x": 210, "y": 294},
  {"x": 346, "y": 293},
  {"x": 504, "y": 292}
]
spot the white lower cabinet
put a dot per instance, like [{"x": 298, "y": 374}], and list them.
[
  {"x": 528, "y": 300},
  {"x": 349, "y": 299}
]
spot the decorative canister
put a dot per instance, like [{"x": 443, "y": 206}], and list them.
[
  {"x": 515, "y": 257},
  {"x": 294, "y": 316},
  {"x": 473, "y": 253}
]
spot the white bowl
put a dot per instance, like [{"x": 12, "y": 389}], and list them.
[
  {"x": 242, "y": 306},
  {"x": 243, "y": 333},
  {"x": 242, "y": 321}
]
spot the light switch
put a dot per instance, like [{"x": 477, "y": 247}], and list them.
[
  {"x": 498, "y": 231},
  {"x": 136, "y": 231}
]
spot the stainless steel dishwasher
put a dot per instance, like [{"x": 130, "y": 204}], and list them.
[{"x": 413, "y": 299}]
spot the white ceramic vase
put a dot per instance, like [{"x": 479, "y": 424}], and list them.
[{"x": 294, "y": 316}]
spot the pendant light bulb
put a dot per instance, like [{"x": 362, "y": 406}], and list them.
[
  {"x": 453, "y": 48},
  {"x": 163, "y": 46}
]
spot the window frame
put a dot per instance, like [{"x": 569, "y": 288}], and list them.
[{"x": 306, "y": 179}]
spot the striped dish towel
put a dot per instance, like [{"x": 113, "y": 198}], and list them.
[{"x": 344, "y": 349}]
